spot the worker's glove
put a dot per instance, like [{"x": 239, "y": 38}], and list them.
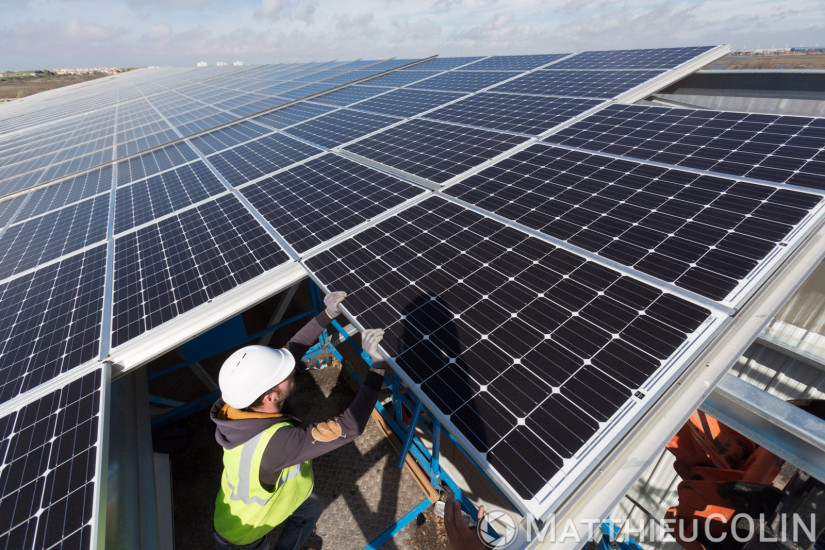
[
  {"x": 332, "y": 301},
  {"x": 370, "y": 339}
]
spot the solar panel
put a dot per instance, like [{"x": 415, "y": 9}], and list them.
[
  {"x": 660, "y": 58},
  {"x": 349, "y": 95},
  {"x": 69, "y": 191},
  {"x": 406, "y": 103},
  {"x": 49, "y": 456},
  {"x": 339, "y": 127},
  {"x": 159, "y": 195},
  {"x": 154, "y": 162},
  {"x": 433, "y": 150},
  {"x": 512, "y": 62},
  {"x": 401, "y": 78},
  {"x": 324, "y": 197},
  {"x": 702, "y": 233},
  {"x": 293, "y": 115},
  {"x": 49, "y": 323},
  {"x": 38, "y": 240},
  {"x": 442, "y": 64},
  {"x": 181, "y": 262},
  {"x": 263, "y": 156},
  {"x": 783, "y": 149},
  {"x": 514, "y": 113},
  {"x": 227, "y": 137},
  {"x": 529, "y": 352},
  {"x": 8, "y": 209},
  {"x": 462, "y": 81},
  {"x": 602, "y": 84}
]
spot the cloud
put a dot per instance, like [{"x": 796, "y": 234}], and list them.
[
  {"x": 298, "y": 10},
  {"x": 415, "y": 30},
  {"x": 78, "y": 31},
  {"x": 360, "y": 26},
  {"x": 159, "y": 31}
]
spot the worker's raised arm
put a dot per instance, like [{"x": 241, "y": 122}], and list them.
[
  {"x": 307, "y": 337},
  {"x": 294, "y": 445}
]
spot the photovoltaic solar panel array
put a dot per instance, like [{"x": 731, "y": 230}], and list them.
[{"x": 546, "y": 260}]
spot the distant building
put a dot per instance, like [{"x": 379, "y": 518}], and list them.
[
  {"x": 203, "y": 64},
  {"x": 238, "y": 63},
  {"x": 221, "y": 63}
]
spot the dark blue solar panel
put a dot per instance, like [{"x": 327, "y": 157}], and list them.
[
  {"x": 50, "y": 321},
  {"x": 261, "y": 105},
  {"x": 390, "y": 64},
  {"x": 260, "y": 157},
  {"x": 406, "y": 102},
  {"x": 512, "y": 62},
  {"x": 515, "y": 113},
  {"x": 159, "y": 195},
  {"x": 662, "y": 58},
  {"x": 293, "y": 115},
  {"x": 349, "y": 95},
  {"x": 433, "y": 150},
  {"x": 507, "y": 335},
  {"x": 339, "y": 127},
  {"x": 154, "y": 162},
  {"x": 702, "y": 233},
  {"x": 442, "y": 64},
  {"x": 324, "y": 197},
  {"x": 39, "y": 240},
  {"x": 185, "y": 261},
  {"x": 8, "y": 209},
  {"x": 61, "y": 194},
  {"x": 603, "y": 84},
  {"x": 48, "y": 457},
  {"x": 782, "y": 149},
  {"x": 400, "y": 78},
  {"x": 306, "y": 91},
  {"x": 227, "y": 137},
  {"x": 462, "y": 81}
]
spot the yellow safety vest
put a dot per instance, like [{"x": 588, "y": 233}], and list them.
[{"x": 244, "y": 510}]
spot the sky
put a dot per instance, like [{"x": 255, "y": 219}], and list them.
[{"x": 47, "y": 34}]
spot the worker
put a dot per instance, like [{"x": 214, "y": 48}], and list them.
[{"x": 267, "y": 453}]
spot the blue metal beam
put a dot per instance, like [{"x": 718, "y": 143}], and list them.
[{"x": 396, "y": 527}]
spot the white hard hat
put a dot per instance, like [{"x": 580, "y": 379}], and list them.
[{"x": 251, "y": 371}]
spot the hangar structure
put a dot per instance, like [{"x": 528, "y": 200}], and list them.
[{"x": 564, "y": 273}]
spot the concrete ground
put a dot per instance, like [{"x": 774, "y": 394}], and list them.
[{"x": 363, "y": 490}]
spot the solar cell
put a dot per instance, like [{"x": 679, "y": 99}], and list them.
[
  {"x": 512, "y": 62},
  {"x": 159, "y": 195},
  {"x": 293, "y": 114},
  {"x": 306, "y": 91},
  {"x": 38, "y": 240},
  {"x": 324, "y": 197},
  {"x": 406, "y": 102},
  {"x": 50, "y": 452},
  {"x": 260, "y": 157},
  {"x": 69, "y": 191},
  {"x": 154, "y": 162},
  {"x": 782, "y": 149},
  {"x": 602, "y": 84},
  {"x": 179, "y": 263},
  {"x": 660, "y": 58},
  {"x": 514, "y": 113},
  {"x": 433, "y": 150},
  {"x": 339, "y": 127},
  {"x": 702, "y": 233},
  {"x": 463, "y": 81},
  {"x": 506, "y": 335},
  {"x": 49, "y": 323}
]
